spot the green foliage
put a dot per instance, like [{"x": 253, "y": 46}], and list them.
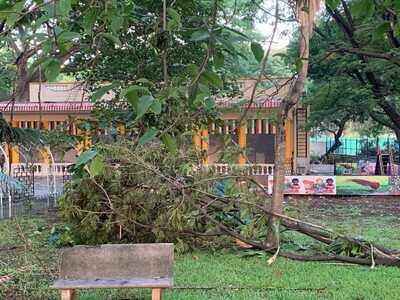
[
  {"x": 344, "y": 247},
  {"x": 150, "y": 134},
  {"x": 141, "y": 189},
  {"x": 60, "y": 236},
  {"x": 258, "y": 51},
  {"x": 346, "y": 87}
]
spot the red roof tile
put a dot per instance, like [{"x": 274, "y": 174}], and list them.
[{"x": 47, "y": 107}]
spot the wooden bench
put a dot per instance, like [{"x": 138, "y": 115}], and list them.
[{"x": 116, "y": 266}]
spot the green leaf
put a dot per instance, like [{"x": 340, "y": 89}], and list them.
[
  {"x": 332, "y": 4},
  {"x": 237, "y": 32},
  {"x": 116, "y": 23},
  {"x": 397, "y": 29},
  {"x": 133, "y": 93},
  {"x": 85, "y": 157},
  {"x": 143, "y": 105},
  {"x": 96, "y": 167},
  {"x": 150, "y": 134},
  {"x": 192, "y": 69},
  {"x": 64, "y": 7},
  {"x": 362, "y": 8},
  {"x": 200, "y": 35},
  {"x": 11, "y": 18},
  {"x": 156, "y": 107},
  {"x": 213, "y": 79},
  {"x": 175, "y": 19},
  {"x": 145, "y": 81},
  {"x": 68, "y": 35},
  {"x": 101, "y": 91},
  {"x": 170, "y": 143},
  {"x": 380, "y": 31},
  {"x": 111, "y": 38},
  {"x": 88, "y": 20},
  {"x": 219, "y": 60},
  {"x": 52, "y": 69},
  {"x": 257, "y": 50}
]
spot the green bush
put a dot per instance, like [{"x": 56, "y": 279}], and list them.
[{"x": 126, "y": 193}]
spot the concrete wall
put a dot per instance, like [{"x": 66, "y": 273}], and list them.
[
  {"x": 57, "y": 92},
  {"x": 60, "y": 92}
]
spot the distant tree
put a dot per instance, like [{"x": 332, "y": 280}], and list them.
[
  {"x": 356, "y": 47},
  {"x": 333, "y": 104}
]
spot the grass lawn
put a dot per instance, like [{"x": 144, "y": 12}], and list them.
[{"x": 207, "y": 275}]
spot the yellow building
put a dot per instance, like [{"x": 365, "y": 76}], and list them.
[
  {"x": 253, "y": 131},
  {"x": 250, "y": 126},
  {"x": 58, "y": 102}
]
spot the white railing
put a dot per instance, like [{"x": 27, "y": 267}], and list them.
[
  {"x": 250, "y": 169},
  {"x": 41, "y": 169}
]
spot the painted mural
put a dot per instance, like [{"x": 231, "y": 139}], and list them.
[
  {"x": 340, "y": 185},
  {"x": 307, "y": 185},
  {"x": 362, "y": 185}
]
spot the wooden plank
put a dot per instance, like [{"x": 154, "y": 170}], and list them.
[
  {"x": 156, "y": 294},
  {"x": 68, "y": 294},
  {"x": 110, "y": 283},
  {"x": 119, "y": 261}
]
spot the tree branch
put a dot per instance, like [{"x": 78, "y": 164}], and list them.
[{"x": 362, "y": 52}]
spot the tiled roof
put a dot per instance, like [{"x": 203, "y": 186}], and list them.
[
  {"x": 241, "y": 103},
  {"x": 47, "y": 107},
  {"x": 88, "y": 107}
]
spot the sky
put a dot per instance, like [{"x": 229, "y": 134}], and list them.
[{"x": 282, "y": 36}]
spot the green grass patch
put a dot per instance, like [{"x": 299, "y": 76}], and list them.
[{"x": 32, "y": 267}]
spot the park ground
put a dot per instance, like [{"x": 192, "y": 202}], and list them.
[{"x": 28, "y": 262}]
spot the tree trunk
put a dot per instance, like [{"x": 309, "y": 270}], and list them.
[
  {"x": 22, "y": 80},
  {"x": 338, "y": 135},
  {"x": 272, "y": 239},
  {"x": 397, "y": 132},
  {"x": 305, "y": 12}
]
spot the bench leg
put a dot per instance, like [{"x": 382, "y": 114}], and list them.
[
  {"x": 156, "y": 294},
  {"x": 67, "y": 294}
]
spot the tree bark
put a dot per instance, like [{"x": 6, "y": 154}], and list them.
[
  {"x": 272, "y": 239},
  {"x": 22, "y": 80},
  {"x": 397, "y": 133},
  {"x": 305, "y": 17},
  {"x": 337, "y": 143}
]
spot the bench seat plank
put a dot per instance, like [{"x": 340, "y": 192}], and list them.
[{"x": 164, "y": 282}]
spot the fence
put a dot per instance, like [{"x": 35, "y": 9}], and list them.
[{"x": 363, "y": 147}]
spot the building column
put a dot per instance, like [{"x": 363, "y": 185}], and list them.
[
  {"x": 88, "y": 139},
  {"x": 14, "y": 150},
  {"x": 289, "y": 144},
  {"x": 45, "y": 125},
  {"x": 122, "y": 132},
  {"x": 205, "y": 145},
  {"x": 242, "y": 143},
  {"x": 81, "y": 144},
  {"x": 197, "y": 141}
]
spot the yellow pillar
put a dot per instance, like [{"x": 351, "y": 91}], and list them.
[
  {"x": 205, "y": 145},
  {"x": 45, "y": 125},
  {"x": 197, "y": 141},
  {"x": 122, "y": 131},
  {"x": 45, "y": 152},
  {"x": 81, "y": 144},
  {"x": 289, "y": 140},
  {"x": 88, "y": 140},
  {"x": 242, "y": 143},
  {"x": 14, "y": 150}
]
